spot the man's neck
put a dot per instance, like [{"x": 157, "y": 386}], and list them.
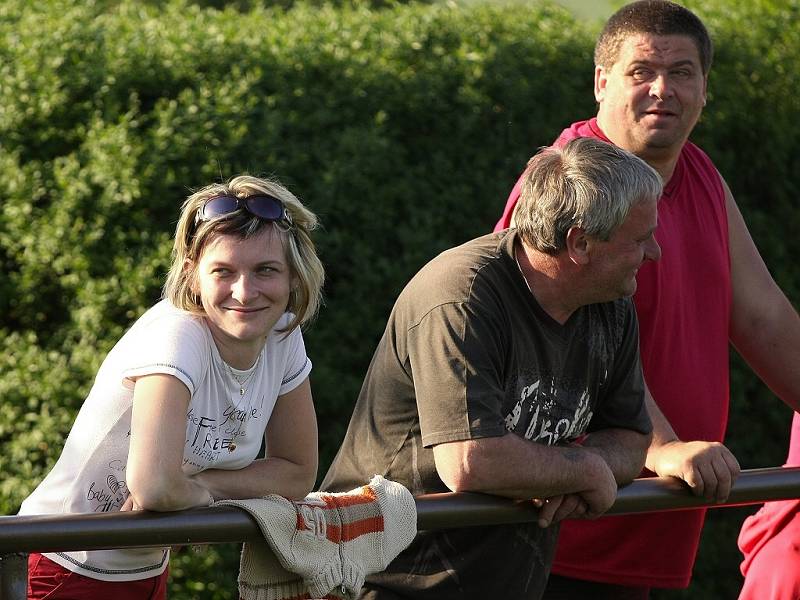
[
  {"x": 663, "y": 164},
  {"x": 545, "y": 278},
  {"x": 663, "y": 160}
]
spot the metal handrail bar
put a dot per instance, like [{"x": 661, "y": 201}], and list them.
[
  {"x": 51, "y": 533},
  {"x": 653, "y": 494}
]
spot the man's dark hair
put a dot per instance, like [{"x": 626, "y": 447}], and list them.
[{"x": 654, "y": 17}]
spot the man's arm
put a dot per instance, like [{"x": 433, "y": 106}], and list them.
[
  {"x": 765, "y": 327},
  {"x": 516, "y": 468},
  {"x": 708, "y": 468},
  {"x": 623, "y": 450}
]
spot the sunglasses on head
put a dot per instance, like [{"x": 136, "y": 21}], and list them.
[{"x": 263, "y": 206}]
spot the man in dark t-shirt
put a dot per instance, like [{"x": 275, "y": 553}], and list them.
[{"x": 510, "y": 366}]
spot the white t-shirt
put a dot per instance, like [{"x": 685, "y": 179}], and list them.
[{"x": 224, "y": 429}]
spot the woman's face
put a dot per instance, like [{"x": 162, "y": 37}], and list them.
[{"x": 244, "y": 287}]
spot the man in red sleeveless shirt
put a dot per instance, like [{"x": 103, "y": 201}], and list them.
[{"x": 710, "y": 288}]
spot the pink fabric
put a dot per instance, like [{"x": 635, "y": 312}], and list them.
[
  {"x": 50, "y": 580},
  {"x": 770, "y": 543},
  {"x": 793, "y": 459},
  {"x": 683, "y": 303}
]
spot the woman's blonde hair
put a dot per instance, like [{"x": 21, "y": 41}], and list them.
[{"x": 192, "y": 236}]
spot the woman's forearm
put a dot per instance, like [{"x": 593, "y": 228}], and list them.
[{"x": 272, "y": 475}]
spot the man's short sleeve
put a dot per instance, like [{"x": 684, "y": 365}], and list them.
[{"x": 456, "y": 353}]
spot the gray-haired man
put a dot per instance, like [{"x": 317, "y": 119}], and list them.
[{"x": 510, "y": 366}]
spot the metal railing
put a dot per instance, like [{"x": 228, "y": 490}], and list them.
[{"x": 20, "y": 535}]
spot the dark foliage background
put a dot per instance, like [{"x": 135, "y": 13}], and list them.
[{"x": 403, "y": 126}]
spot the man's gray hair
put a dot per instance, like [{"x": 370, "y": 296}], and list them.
[{"x": 587, "y": 183}]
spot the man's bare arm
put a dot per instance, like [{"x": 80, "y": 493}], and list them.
[
  {"x": 516, "y": 468},
  {"x": 765, "y": 327},
  {"x": 708, "y": 468}
]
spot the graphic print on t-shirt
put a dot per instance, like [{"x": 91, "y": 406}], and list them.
[
  {"x": 109, "y": 494},
  {"x": 548, "y": 413},
  {"x": 106, "y": 490},
  {"x": 210, "y": 437}
]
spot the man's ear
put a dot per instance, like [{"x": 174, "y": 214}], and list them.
[
  {"x": 600, "y": 81},
  {"x": 705, "y": 89},
  {"x": 578, "y": 245}
]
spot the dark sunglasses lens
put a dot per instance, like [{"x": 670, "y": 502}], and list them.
[
  {"x": 266, "y": 207},
  {"x": 221, "y": 205}
]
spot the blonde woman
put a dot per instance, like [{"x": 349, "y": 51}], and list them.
[{"x": 182, "y": 403}]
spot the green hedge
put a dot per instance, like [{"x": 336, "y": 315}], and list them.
[{"x": 403, "y": 127}]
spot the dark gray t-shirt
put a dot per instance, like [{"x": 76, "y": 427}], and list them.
[{"x": 468, "y": 353}]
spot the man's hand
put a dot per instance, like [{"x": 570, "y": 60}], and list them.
[
  {"x": 709, "y": 468},
  {"x": 587, "y": 504},
  {"x": 557, "y": 508}
]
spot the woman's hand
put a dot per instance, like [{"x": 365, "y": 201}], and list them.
[{"x": 129, "y": 505}]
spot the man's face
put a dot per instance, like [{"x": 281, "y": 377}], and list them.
[
  {"x": 651, "y": 98},
  {"x": 615, "y": 262}
]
